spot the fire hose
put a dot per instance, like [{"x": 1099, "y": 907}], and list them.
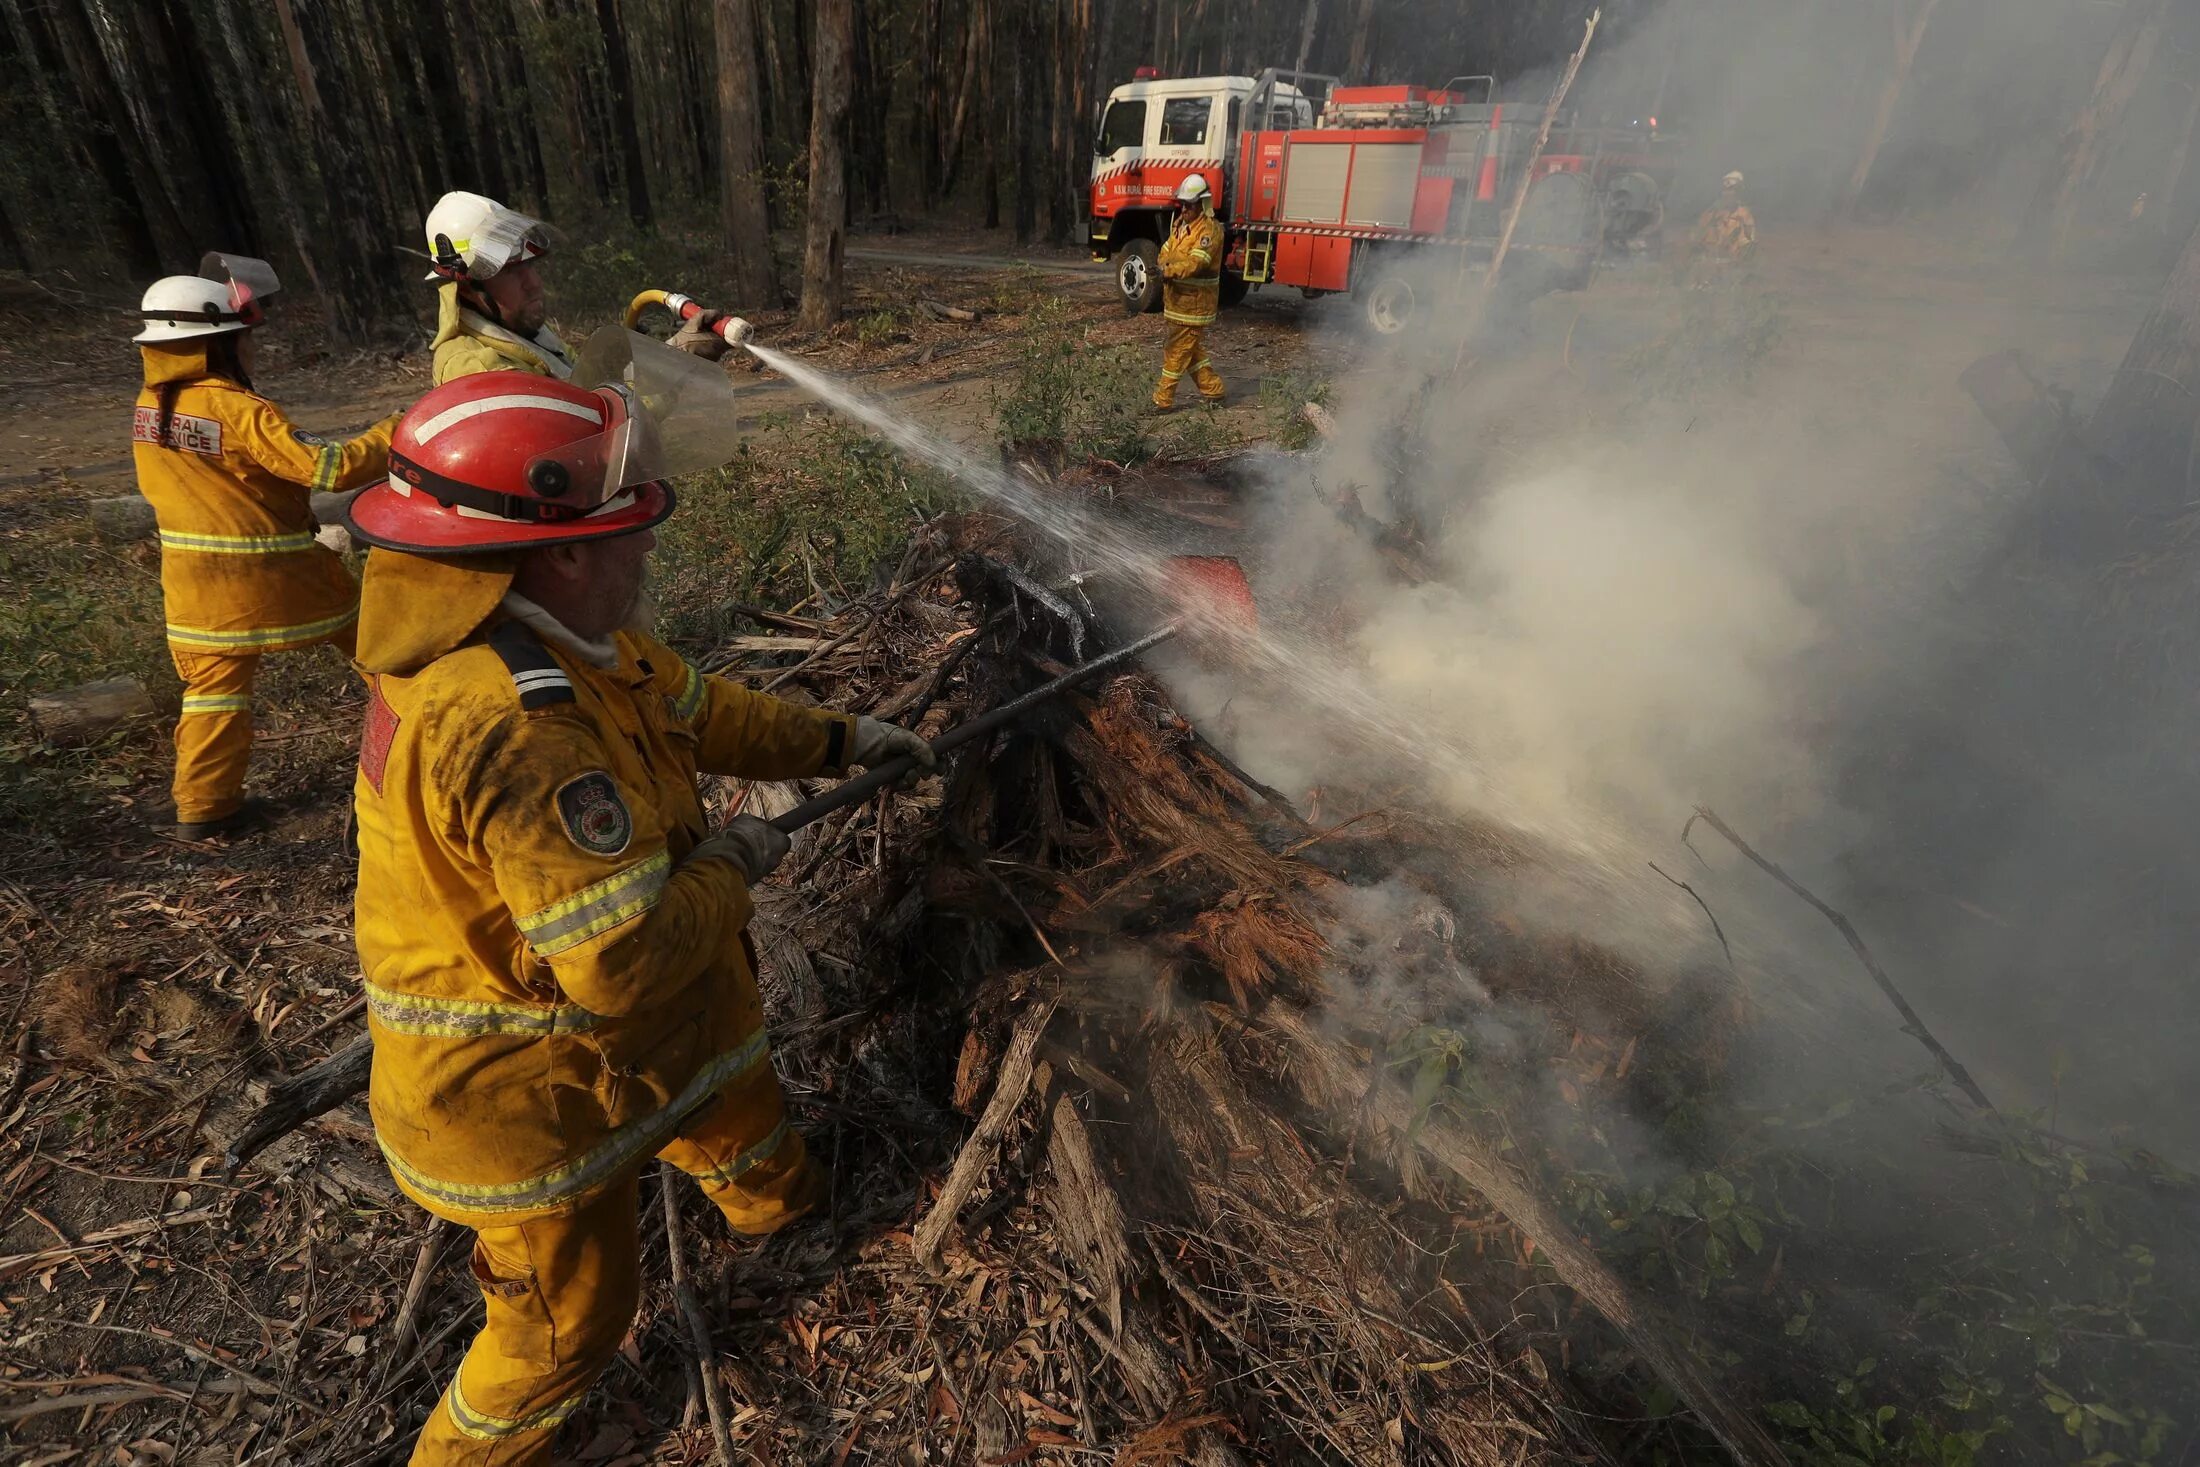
[{"x": 730, "y": 328}]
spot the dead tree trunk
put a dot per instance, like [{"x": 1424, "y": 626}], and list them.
[
  {"x": 2114, "y": 479},
  {"x": 1306, "y": 31},
  {"x": 1363, "y": 28},
  {"x": 622, "y": 113},
  {"x": 2173, "y": 176},
  {"x": 2145, "y": 424},
  {"x": 2086, "y": 140},
  {"x": 741, "y": 157},
  {"x": 1909, "y": 34},
  {"x": 826, "y": 230},
  {"x": 321, "y": 62}
]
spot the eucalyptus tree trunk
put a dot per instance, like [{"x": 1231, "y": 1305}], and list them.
[{"x": 826, "y": 229}]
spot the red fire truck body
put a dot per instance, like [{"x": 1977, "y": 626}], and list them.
[{"x": 1387, "y": 182}]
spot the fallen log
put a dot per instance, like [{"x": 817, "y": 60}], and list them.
[
  {"x": 313, "y": 1091},
  {"x": 940, "y": 312},
  {"x": 82, "y": 714},
  {"x": 130, "y": 516}
]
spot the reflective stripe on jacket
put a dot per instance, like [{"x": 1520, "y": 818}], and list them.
[
  {"x": 552, "y": 986},
  {"x": 1191, "y": 271},
  {"x": 465, "y": 343},
  {"x": 230, "y": 485}
]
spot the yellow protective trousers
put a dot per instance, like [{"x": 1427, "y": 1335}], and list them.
[
  {"x": 1186, "y": 351},
  {"x": 214, "y": 735},
  {"x": 560, "y": 1293}
]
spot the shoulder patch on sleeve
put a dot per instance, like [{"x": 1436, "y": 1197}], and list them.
[
  {"x": 535, "y": 673},
  {"x": 594, "y": 816}
]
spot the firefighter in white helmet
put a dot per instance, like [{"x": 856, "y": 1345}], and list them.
[
  {"x": 230, "y": 481},
  {"x": 1727, "y": 232},
  {"x": 1191, "y": 293},
  {"x": 492, "y": 313}
]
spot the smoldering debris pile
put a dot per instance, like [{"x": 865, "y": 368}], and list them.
[{"x": 1216, "y": 1205}]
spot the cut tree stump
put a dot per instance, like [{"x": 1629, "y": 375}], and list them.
[
  {"x": 130, "y": 516},
  {"x": 81, "y": 714}
]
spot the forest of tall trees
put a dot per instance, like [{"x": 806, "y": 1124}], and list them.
[{"x": 136, "y": 133}]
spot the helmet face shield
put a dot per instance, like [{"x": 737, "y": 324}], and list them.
[
  {"x": 678, "y": 414},
  {"x": 251, "y": 282}
]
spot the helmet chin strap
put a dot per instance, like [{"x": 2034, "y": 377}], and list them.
[{"x": 482, "y": 303}]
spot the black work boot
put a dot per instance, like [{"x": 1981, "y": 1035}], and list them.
[{"x": 248, "y": 816}]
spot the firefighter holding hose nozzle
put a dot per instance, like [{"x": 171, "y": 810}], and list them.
[
  {"x": 559, "y": 981},
  {"x": 1191, "y": 293},
  {"x": 492, "y": 311}
]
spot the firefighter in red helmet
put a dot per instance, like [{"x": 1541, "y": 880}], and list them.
[
  {"x": 1191, "y": 293},
  {"x": 559, "y": 984}
]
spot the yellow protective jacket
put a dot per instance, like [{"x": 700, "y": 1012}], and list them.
[
  {"x": 552, "y": 986},
  {"x": 466, "y": 343},
  {"x": 231, "y": 487},
  {"x": 1191, "y": 271}
]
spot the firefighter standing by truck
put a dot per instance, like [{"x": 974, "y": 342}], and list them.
[
  {"x": 230, "y": 481},
  {"x": 1191, "y": 293},
  {"x": 559, "y": 980},
  {"x": 492, "y": 312}
]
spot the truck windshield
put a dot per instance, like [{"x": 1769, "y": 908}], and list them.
[
  {"x": 1123, "y": 127},
  {"x": 1184, "y": 121}
]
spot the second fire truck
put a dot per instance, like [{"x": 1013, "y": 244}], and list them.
[{"x": 1384, "y": 191}]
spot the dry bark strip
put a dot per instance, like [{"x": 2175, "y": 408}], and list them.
[
  {"x": 977, "y": 1153},
  {"x": 15, "y": 1263},
  {"x": 1330, "y": 1076}
]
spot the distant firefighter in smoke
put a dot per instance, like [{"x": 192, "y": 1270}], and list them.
[{"x": 1727, "y": 232}]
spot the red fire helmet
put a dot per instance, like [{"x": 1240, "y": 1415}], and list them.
[{"x": 509, "y": 461}]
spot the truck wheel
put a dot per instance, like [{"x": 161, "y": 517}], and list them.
[
  {"x": 1234, "y": 289},
  {"x": 1138, "y": 276},
  {"x": 1390, "y": 304}
]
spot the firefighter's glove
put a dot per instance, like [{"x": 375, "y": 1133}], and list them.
[
  {"x": 334, "y": 537},
  {"x": 877, "y": 742},
  {"x": 752, "y": 845},
  {"x": 697, "y": 339}
]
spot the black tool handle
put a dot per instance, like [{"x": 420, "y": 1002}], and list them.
[{"x": 871, "y": 781}]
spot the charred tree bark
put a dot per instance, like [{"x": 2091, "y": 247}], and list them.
[
  {"x": 156, "y": 237},
  {"x": 357, "y": 287},
  {"x": 2086, "y": 141},
  {"x": 268, "y": 156},
  {"x": 866, "y": 115},
  {"x": 826, "y": 230},
  {"x": 1909, "y": 35},
  {"x": 742, "y": 212},
  {"x": 622, "y": 112},
  {"x": 1023, "y": 119}
]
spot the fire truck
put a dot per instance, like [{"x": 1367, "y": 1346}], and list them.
[{"x": 1383, "y": 191}]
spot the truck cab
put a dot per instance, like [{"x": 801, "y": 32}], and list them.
[{"x": 1153, "y": 133}]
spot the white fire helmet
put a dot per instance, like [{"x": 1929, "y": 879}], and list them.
[
  {"x": 1193, "y": 190},
  {"x": 471, "y": 237},
  {"x": 229, "y": 293},
  {"x": 1732, "y": 180}
]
